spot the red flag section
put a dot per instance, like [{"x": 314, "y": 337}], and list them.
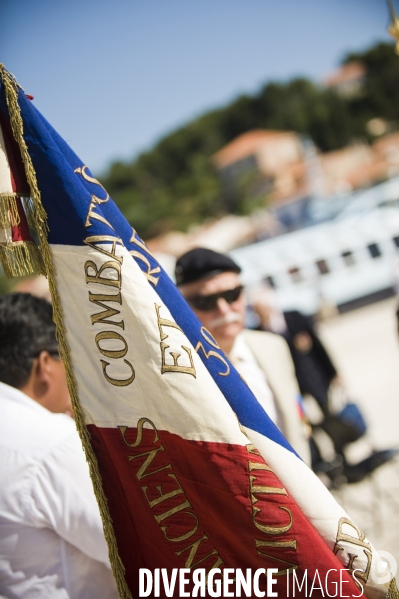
[{"x": 236, "y": 515}]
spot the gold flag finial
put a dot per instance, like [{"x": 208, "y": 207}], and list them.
[{"x": 393, "y": 28}]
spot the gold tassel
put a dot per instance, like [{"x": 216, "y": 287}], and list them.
[
  {"x": 29, "y": 209},
  {"x": 9, "y": 216},
  {"x": 393, "y": 592},
  {"x": 20, "y": 259},
  {"x": 40, "y": 224}
]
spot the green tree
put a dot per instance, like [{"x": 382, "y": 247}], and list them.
[{"x": 380, "y": 97}]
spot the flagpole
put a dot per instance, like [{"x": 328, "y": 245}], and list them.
[{"x": 393, "y": 28}]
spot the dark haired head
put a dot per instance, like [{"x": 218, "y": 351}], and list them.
[{"x": 26, "y": 329}]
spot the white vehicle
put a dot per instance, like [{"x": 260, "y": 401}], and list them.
[
  {"x": 356, "y": 202},
  {"x": 338, "y": 262}
]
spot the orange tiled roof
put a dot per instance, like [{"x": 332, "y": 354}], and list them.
[
  {"x": 244, "y": 145},
  {"x": 348, "y": 72}
]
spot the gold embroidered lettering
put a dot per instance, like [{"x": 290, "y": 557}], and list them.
[
  {"x": 260, "y": 488},
  {"x": 263, "y": 489},
  {"x": 137, "y": 241},
  {"x": 151, "y": 455},
  {"x": 108, "y": 274},
  {"x": 139, "y": 438},
  {"x": 252, "y": 449},
  {"x": 97, "y": 278},
  {"x": 95, "y": 201},
  {"x": 81, "y": 170},
  {"x": 150, "y": 271},
  {"x": 275, "y": 545},
  {"x": 259, "y": 466},
  {"x": 164, "y": 496},
  {"x": 209, "y": 339},
  {"x": 173, "y": 511},
  {"x": 193, "y": 552},
  {"x": 103, "y": 317},
  {"x": 360, "y": 541},
  {"x": 185, "y": 536},
  {"x": 93, "y": 215},
  {"x": 97, "y": 241},
  {"x": 111, "y": 353},
  {"x": 181, "y": 510},
  {"x": 175, "y": 367},
  {"x": 118, "y": 382}
]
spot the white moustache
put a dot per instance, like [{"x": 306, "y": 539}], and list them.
[{"x": 226, "y": 319}]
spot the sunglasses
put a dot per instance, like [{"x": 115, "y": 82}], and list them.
[{"x": 206, "y": 303}]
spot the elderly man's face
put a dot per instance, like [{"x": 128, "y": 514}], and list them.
[{"x": 223, "y": 316}]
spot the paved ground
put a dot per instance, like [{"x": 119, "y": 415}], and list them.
[{"x": 365, "y": 347}]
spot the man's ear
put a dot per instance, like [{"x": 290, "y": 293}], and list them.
[{"x": 41, "y": 375}]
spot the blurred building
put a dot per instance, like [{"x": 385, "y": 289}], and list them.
[
  {"x": 263, "y": 162},
  {"x": 221, "y": 235},
  {"x": 386, "y": 153},
  {"x": 300, "y": 185},
  {"x": 349, "y": 168},
  {"x": 286, "y": 170},
  {"x": 348, "y": 80}
]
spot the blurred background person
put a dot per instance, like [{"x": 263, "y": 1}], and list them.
[
  {"x": 314, "y": 368},
  {"x": 51, "y": 535},
  {"x": 318, "y": 378},
  {"x": 211, "y": 284}
]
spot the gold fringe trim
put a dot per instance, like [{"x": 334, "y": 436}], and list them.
[
  {"x": 29, "y": 209},
  {"x": 40, "y": 222},
  {"x": 9, "y": 216},
  {"x": 393, "y": 592},
  {"x": 20, "y": 259}
]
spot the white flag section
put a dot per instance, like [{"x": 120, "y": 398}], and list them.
[{"x": 131, "y": 347}]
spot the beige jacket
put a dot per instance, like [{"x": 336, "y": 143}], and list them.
[{"x": 273, "y": 356}]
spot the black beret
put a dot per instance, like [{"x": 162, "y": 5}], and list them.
[{"x": 200, "y": 263}]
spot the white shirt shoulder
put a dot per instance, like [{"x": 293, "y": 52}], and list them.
[{"x": 47, "y": 501}]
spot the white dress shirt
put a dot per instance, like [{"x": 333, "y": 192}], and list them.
[
  {"x": 51, "y": 537},
  {"x": 245, "y": 362}
]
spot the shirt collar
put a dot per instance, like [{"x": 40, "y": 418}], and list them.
[
  {"x": 18, "y": 396},
  {"x": 240, "y": 351}
]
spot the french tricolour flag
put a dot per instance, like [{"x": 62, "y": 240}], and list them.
[{"x": 188, "y": 469}]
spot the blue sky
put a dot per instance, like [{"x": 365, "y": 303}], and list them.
[{"x": 114, "y": 76}]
